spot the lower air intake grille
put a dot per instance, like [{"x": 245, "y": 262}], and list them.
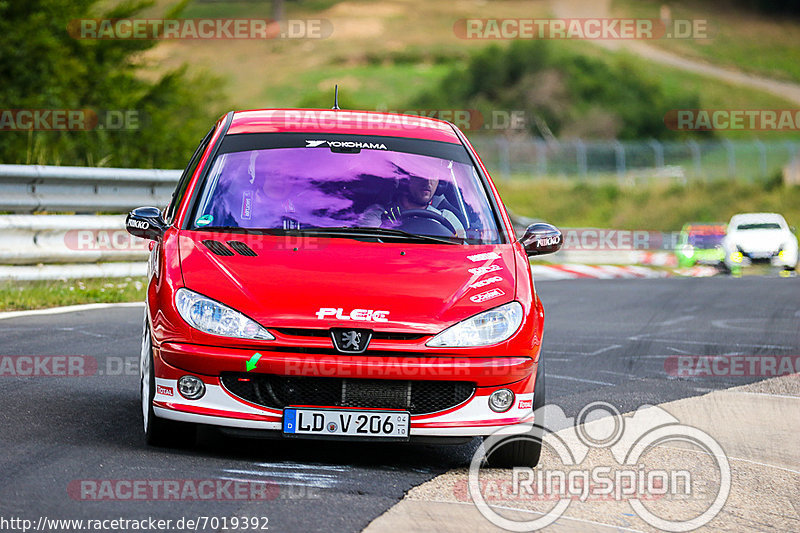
[{"x": 417, "y": 397}]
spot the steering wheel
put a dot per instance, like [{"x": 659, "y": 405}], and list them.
[{"x": 424, "y": 213}]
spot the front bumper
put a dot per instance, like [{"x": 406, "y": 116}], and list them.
[
  {"x": 220, "y": 407},
  {"x": 775, "y": 258}
]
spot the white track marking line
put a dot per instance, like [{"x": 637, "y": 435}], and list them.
[
  {"x": 291, "y": 475},
  {"x": 66, "y": 309},
  {"x": 674, "y": 321},
  {"x": 704, "y": 343},
  {"x": 679, "y": 351},
  {"x": 623, "y": 374},
  {"x": 570, "y": 378},
  {"x": 282, "y": 482},
  {"x": 596, "y": 352},
  {"x": 607, "y": 348},
  {"x": 306, "y": 466}
]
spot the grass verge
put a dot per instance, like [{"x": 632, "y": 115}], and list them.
[
  {"x": 746, "y": 40},
  {"x": 23, "y": 295}
]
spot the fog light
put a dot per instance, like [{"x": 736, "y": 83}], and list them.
[
  {"x": 501, "y": 400},
  {"x": 191, "y": 388},
  {"x": 737, "y": 257}
]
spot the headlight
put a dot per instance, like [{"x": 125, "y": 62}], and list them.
[
  {"x": 688, "y": 250},
  {"x": 489, "y": 327},
  {"x": 210, "y": 316}
]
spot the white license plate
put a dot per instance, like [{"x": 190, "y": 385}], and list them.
[{"x": 346, "y": 423}]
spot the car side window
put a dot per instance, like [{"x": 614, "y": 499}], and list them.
[{"x": 186, "y": 177}]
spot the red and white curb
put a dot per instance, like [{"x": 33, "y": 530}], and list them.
[{"x": 577, "y": 271}]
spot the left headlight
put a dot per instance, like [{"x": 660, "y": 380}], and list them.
[
  {"x": 210, "y": 316},
  {"x": 489, "y": 327}
]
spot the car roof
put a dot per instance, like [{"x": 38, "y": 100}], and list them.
[
  {"x": 692, "y": 226},
  {"x": 342, "y": 121},
  {"x": 755, "y": 218}
]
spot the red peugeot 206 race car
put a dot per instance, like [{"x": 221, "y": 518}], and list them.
[{"x": 339, "y": 274}]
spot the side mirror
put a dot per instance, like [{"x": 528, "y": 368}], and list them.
[
  {"x": 146, "y": 222},
  {"x": 541, "y": 238}
]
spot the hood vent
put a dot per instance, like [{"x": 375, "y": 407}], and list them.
[
  {"x": 217, "y": 248},
  {"x": 242, "y": 249}
]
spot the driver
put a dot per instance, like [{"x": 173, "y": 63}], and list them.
[{"x": 418, "y": 194}]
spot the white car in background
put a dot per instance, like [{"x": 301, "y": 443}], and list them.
[{"x": 759, "y": 238}]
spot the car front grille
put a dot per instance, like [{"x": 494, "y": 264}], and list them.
[{"x": 417, "y": 397}]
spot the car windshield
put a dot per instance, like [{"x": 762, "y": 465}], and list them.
[
  {"x": 296, "y": 182},
  {"x": 759, "y": 225},
  {"x": 705, "y": 240}
]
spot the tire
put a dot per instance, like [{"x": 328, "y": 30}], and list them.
[
  {"x": 158, "y": 431},
  {"x": 524, "y": 450}
]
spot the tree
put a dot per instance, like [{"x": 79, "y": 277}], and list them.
[{"x": 43, "y": 67}]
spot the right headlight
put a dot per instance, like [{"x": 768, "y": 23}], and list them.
[
  {"x": 484, "y": 329},
  {"x": 210, "y": 316}
]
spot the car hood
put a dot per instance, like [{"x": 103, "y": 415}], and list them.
[
  {"x": 329, "y": 282},
  {"x": 758, "y": 240}
]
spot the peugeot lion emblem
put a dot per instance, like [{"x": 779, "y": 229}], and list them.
[{"x": 351, "y": 340}]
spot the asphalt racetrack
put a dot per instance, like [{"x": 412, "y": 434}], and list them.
[{"x": 610, "y": 340}]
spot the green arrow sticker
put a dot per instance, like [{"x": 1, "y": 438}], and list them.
[{"x": 251, "y": 364}]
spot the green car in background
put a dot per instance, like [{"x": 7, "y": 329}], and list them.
[{"x": 700, "y": 243}]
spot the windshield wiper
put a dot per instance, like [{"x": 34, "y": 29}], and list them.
[
  {"x": 350, "y": 231},
  {"x": 237, "y": 229},
  {"x": 385, "y": 232}
]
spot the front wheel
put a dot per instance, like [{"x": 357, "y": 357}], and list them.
[
  {"x": 524, "y": 449},
  {"x": 158, "y": 431}
]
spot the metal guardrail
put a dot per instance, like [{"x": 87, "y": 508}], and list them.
[
  {"x": 82, "y": 245},
  {"x": 50, "y": 239},
  {"x": 38, "y": 188}
]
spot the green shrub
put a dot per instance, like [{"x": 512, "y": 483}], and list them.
[{"x": 562, "y": 89}]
